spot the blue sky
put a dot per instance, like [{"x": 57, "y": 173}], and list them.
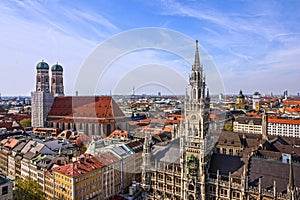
[{"x": 255, "y": 45}]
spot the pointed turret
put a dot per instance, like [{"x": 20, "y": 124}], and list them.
[
  {"x": 207, "y": 94},
  {"x": 291, "y": 177},
  {"x": 197, "y": 79},
  {"x": 196, "y": 65},
  {"x": 146, "y": 163},
  {"x": 292, "y": 191}
]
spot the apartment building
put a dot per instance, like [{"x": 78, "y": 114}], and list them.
[
  {"x": 246, "y": 124},
  {"x": 283, "y": 127},
  {"x": 78, "y": 180},
  {"x": 111, "y": 179}
]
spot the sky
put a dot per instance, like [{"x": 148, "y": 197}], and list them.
[{"x": 254, "y": 45}]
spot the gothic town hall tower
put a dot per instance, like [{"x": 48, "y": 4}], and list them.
[{"x": 193, "y": 157}]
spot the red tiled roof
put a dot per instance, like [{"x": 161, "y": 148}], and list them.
[
  {"x": 290, "y": 103},
  {"x": 283, "y": 121},
  {"x": 85, "y": 164},
  {"x": 11, "y": 143},
  {"x": 3, "y": 141},
  {"x": 118, "y": 134},
  {"x": 7, "y": 125},
  {"x": 85, "y": 109},
  {"x": 292, "y": 110}
]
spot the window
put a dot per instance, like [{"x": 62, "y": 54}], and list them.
[
  {"x": 224, "y": 151},
  {"x": 4, "y": 190},
  {"x": 191, "y": 187},
  {"x": 223, "y": 192}
]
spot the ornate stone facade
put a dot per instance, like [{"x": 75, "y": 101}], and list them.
[{"x": 190, "y": 167}]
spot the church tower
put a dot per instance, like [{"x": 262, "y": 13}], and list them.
[
  {"x": 41, "y": 98},
  {"x": 194, "y": 129},
  {"x": 240, "y": 101},
  {"x": 57, "y": 84},
  {"x": 42, "y": 77}
]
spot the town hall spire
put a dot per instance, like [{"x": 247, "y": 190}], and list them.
[{"x": 196, "y": 65}]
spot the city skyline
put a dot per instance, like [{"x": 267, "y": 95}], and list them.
[{"x": 255, "y": 46}]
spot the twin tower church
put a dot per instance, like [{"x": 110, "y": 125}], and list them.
[{"x": 94, "y": 115}]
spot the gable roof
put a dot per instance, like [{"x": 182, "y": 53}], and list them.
[
  {"x": 169, "y": 153},
  {"x": 271, "y": 170},
  {"x": 86, "y": 163},
  {"x": 227, "y": 164},
  {"x": 85, "y": 109},
  {"x": 247, "y": 120},
  {"x": 229, "y": 138}
]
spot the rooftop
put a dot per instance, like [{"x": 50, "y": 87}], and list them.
[
  {"x": 85, "y": 164},
  {"x": 85, "y": 108},
  {"x": 265, "y": 168}
]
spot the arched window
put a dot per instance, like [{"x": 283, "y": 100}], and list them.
[
  {"x": 191, "y": 187},
  {"x": 191, "y": 197}
]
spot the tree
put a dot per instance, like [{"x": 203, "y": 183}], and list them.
[
  {"x": 28, "y": 189},
  {"x": 228, "y": 126},
  {"x": 25, "y": 122},
  {"x": 83, "y": 149}
]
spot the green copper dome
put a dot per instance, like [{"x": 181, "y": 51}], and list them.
[
  {"x": 42, "y": 65},
  {"x": 57, "y": 68}
]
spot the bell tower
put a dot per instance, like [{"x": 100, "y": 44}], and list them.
[
  {"x": 194, "y": 129},
  {"x": 41, "y": 98},
  {"x": 42, "y": 77},
  {"x": 57, "y": 83}
]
